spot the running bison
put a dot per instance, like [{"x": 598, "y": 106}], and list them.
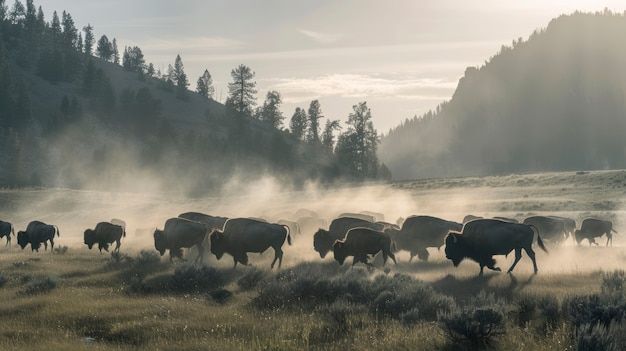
[
  {"x": 179, "y": 233},
  {"x": 420, "y": 232},
  {"x": 6, "y": 229},
  {"x": 361, "y": 242},
  {"x": 243, "y": 235},
  {"x": 483, "y": 238},
  {"x": 550, "y": 228},
  {"x": 324, "y": 240},
  {"x": 37, "y": 233},
  {"x": 592, "y": 228},
  {"x": 105, "y": 233}
]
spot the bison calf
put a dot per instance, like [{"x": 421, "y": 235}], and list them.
[{"x": 361, "y": 242}]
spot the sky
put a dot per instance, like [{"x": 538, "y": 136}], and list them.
[{"x": 402, "y": 57}]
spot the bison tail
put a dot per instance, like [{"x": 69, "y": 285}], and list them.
[
  {"x": 613, "y": 230},
  {"x": 541, "y": 245},
  {"x": 288, "y": 234},
  {"x": 56, "y": 230},
  {"x": 12, "y": 230}
]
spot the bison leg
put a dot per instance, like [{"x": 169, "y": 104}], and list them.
[
  {"x": 609, "y": 238},
  {"x": 531, "y": 253},
  {"x": 200, "y": 252},
  {"x": 389, "y": 254},
  {"x": 278, "y": 255},
  {"x": 518, "y": 256},
  {"x": 117, "y": 246}
]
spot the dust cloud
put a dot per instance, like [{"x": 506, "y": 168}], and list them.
[{"x": 144, "y": 198}]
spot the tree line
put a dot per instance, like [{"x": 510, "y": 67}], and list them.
[{"x": 59, "y": 53}]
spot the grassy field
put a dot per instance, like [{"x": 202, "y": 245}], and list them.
[{"x": 76, "y": 299}]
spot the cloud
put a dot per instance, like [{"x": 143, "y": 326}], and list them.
[
  {"x": 322, "y": 38},
  {"x": 359, "y": 86}
]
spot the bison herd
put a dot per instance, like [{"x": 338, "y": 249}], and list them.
[{"x": 356, "y": 235}]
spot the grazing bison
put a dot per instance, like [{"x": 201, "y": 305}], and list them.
[
  {"x": 179, "y": 233},
  {"x": 105, "y": 233},
  {"x": 592, "y": 228},
  {"x": 243, "y": 235},
  {"x": 363, "y": 216},
  {"x": 361, "y": 242},
  {"x": 323, "y": 240},
  {"x": 6, "y": 229},
  {"x": 480, "y": 239},
  {"x": 37, "y": 233},
  {"x": 420, "y": 232},
  {"x": 549, "y": 228}
]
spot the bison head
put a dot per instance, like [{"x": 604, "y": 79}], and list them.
[
  {"x": 339, "y": 251},
  {"x": 218, "y": 243},
  {"x": 89, "y": 238},
  {"x": 160, "y": 242},
  {"x": 454, "y": 248},
  {"x": 322, "y": 242},
  {"x": 23, "y": 239}
]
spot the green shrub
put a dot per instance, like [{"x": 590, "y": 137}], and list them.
[
  {"x": 613, "y": 284},
  {"x": 38, "y": 285},
  {"x": 593, "y": 338},
  {"x": 190, "y": 278},
  {"x": 476, "y": 324},
  {"x": 593, "y": 309},
  {"x": 251, "y": 279},
  {"x": 221, "y": 295}
]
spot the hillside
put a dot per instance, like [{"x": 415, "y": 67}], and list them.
[
  {"x": 553, "y": 102},
  {"x": 69, "y": 119}
]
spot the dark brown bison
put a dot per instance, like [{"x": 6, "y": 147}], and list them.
[
  {"x": 37, "y": 233},
  {"x": 592, "y": 228},
  {"x": 105, "y": 233},
  {"x": 480, "y": 239},
  {"x": 549, "y": 228},
  {"x": 6, "y": 229},
  {"x": 323, "y": 240},
  {"x": 179, "y": 233},
  {"x": 570, "y": 226},
  {"x": 361, "y": 242},
  {"x": 243, "y": 235},
  {"x": 420, "y": 232}
]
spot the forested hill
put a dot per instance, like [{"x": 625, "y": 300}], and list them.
[
  {"x": 75, "y": 113},
  {"x": 556, "y": 101}
]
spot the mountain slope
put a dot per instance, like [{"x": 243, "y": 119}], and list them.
[{"x": 553, "y": 102}]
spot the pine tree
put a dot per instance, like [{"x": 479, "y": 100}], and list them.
[
  {"x": 116, "y": 53},
  {"x": 204, "y": 85},
  {"x": 270, "y": 112},
  {"x": 104, "y": 48},
  {"x": 180, "y": 78},
  {"x": 89, "y": 39},
  {"x": 315, "y": 114},
  {"x": 242, "y": 89},
  {"x": 360, "y": 142},
  {"x": 328, "y": 137},
  {"x": 298, "y": 123}
]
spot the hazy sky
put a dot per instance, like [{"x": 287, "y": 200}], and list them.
[{"x": 403, "y": 57}]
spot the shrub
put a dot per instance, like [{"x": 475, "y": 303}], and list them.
[
  {"x": 3, "y": 279},
  {"x": 147, "y": 258},
  {"x": 194, "y": 278},
  {"x": 593, "y": 338},
  {"x": 38, "y": 286},
  {"x": 221, "y": 295},
  {"x": 251, "y": 279},
  {"x": 593, "y": 309},
  {"x": 60, "y": 250},
  {"x": 613, "y": 284},
  {"x": 477, "y": 324}
]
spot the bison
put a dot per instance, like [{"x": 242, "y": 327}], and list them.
[
  {"x": 243, "y": 235},
  {"x": 570, "y": 225},
  {"x": 6, "y": 229},
  {"x": 361, "y": 242},
  {"x": 550, "y": 228},
  {"x": 105, "y": 233},
  {"x": 592, "y": 228},
  {"x": 323, "y": 240},
  {"x": 179, "y": 233},
  {"x": 420, "y": 232},
  {"x": 480, "y": 239},
  {"x": 37, "y": 233}
]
